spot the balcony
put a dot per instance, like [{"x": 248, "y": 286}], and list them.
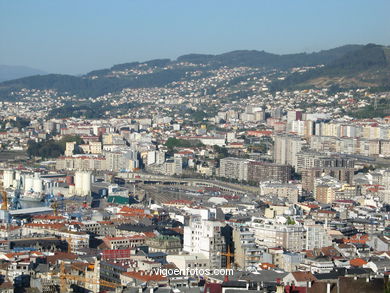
[{"x": 248, "y": 239}]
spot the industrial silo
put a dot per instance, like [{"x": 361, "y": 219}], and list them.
[
  {"x": 37, "y": 183},
  {"x": 28, "y": 182},
  {"x": 82, "y": 180}
]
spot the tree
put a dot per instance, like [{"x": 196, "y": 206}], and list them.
[
  {"x": 173, "y": 142},
  {"x": 50, "y": 148},
  {"x": 221, "y": 151},
  {"x": 290, "y": 221}
]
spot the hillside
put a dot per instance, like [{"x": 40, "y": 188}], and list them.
[
  {"x": 368, "y": 66},
  {"x": 161, "y": 72},
  {"x": 263, "y": 59},
  {"x": 8, "y": 72}
]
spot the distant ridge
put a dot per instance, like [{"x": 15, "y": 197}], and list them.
[
  {"x": 253, "y": 58},
  {"x": 344, "y": 63},
  {"x": 8, "y": 72},
  {"x": 368, "y": 66}
]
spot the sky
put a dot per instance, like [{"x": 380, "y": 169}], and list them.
[{"x": 77, "y": 36}]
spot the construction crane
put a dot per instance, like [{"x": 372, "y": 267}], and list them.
[
  {"x": 4, "y": 209},
  {"x": 69, "y": 242},
  {"x": 55, "y": 202},
  {"x": 54, "y": 206},
  {"x": 229, "y": 257},
  {"x": 64, "y": 277},
  {"x": 4, "y": 204}
]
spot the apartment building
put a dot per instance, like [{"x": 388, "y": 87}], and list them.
[
  {"x": 253, "y": 171},
  {"x": 166, "y": 244},
  {"x": 316, "y": 237},
  {"x": 82, "y": 162},
  {"x": 270, "y": 233},
  {"x": 263, "y": 171},
  {"x": 289, "y": 191},
  {"x": 234, "y": 168},
  {"x": 310, "y": 175},
  {"x": 286, "y": 148},
  {"x": 205, "y": 237},
  {"x": 246, "y": 253},
  {"x": 311, "y": 159}
]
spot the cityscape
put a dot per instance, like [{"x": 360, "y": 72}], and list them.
[{"x": 215, "y": 173}]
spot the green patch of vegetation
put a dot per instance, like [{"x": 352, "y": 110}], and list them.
[
  {"x": 258, "y": 148},
  {"x": 290, "y": 221},
  {"x": 173, "y": 142},
  {"x": 90, "y": 111},
  {"x": 51, "y": 148},
  {"x": 379, "y": 109},
  {"x": 221, "y": 151},
  {"x": 198, "y": 115},
  {"x": 202, "y": 113}
]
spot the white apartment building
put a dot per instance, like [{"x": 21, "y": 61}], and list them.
[
  {"x": 270, "y": 233},
  {"x": 286, "y": 148},
  {"x": 234, "y": 168},
  {"x": 316, "y": 237},
  {"x": 204, "y": 236}
]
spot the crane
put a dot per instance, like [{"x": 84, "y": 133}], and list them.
[
  {"x": 65, "y": 276},
  {"x": 69, "y": 242},
  {"x": 15, "y": 203},
  {"x": 4, "y": 204},
  {"x": 55, "y": 202},
  {"x": 229, "y": 256}
]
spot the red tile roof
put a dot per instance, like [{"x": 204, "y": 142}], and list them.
[
  {"x": 303, "y": 276},
  {"x": 357, "y": 262}
]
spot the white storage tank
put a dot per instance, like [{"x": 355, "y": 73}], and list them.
[
  {"x": 28, "y": 182},
  {"x": 37, "y": 184},
  {"x": 87, "y": 181},
  {"x": 82, "y": 180}
]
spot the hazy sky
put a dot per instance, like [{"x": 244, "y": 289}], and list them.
[{"x": 76, "y": 36}]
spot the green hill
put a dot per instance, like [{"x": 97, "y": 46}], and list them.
[
  {"x": 368, "y": 66},
  {"x": 263, "y": 59},
  {"x": 160, "y": 72}
]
